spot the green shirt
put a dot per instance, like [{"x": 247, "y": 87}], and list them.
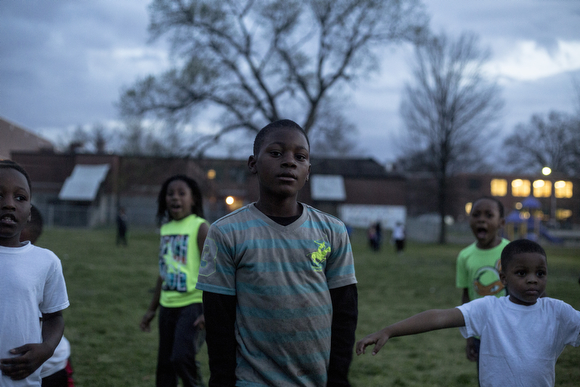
[{"x": 478, "y": 271}]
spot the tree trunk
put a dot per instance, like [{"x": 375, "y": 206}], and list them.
[{"x": 442, "y": 204}]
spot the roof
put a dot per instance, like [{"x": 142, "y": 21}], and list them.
[
  {"x": 16, "y": 138},
  {"x": 84, "y": 182}
]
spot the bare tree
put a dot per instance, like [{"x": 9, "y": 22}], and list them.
[
  {"x": 258, "y": 61},
  {"x": 448, "y": 109},
  {"x": 552, "y": 141},
  {"x": 95, "y": 139}
]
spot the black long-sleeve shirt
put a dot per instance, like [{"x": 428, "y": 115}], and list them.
[{"x": 220, "y": 317}]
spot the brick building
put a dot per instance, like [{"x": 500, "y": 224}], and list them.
[
  {"x": 557, "y": 195},
  {"x": 86, "y": 189}
]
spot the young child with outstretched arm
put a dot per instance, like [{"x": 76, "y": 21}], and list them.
[
  {"x": 31, "y": 285},
  {"x": 522, "y": 335},
  {"x": 278, "y": 279}
]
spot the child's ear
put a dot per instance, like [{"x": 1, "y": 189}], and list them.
[
  {"x": 503, "y": 279},
  {"x": 252, "y": 164}
]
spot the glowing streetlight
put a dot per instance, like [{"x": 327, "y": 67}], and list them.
[
  {"x": 230, "y": 200},
  {"x": 547, "y": 171}
]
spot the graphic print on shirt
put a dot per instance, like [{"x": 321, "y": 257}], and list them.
[
  {"x": 486, "y": 280},
  {"x": 207, "y": 265},
  {"x": 172, "y": 257},
  {"x": 319, "y": 257}
]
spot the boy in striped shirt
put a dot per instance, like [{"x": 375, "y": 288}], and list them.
[{"x": 280, "y": 298}]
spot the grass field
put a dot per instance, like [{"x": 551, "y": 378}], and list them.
[{"x": 110, "y": 288}]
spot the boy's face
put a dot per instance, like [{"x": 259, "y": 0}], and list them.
[
  {"x": 525, "y": 277},
  {"x": 282, "y": 164},
  {"x": 14, "y": 206},
  {"x": 485, "y": 221}
]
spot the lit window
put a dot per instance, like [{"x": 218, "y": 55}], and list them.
[
  {"x": 521, "y": 188},
  {"x": 211, "y": 174},
  {"x": 562, "y": 214},
  {"x": 563, "y": 189},
  {"x": 542, "y": 188},
  {"x": 468, "y": 208},
  {"x": 498, "y": 187}
]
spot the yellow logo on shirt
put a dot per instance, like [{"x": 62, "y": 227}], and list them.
[{"x": 319, "y": 257}]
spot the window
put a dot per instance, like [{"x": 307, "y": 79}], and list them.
[
  {"x": 542, "y": 188},
  {"x": 563, "y": 189},
  {"x": 468, "y": 208},
  {"x": 562, "y": 214},
  {"x": 521, "y": 188},
  {"x": 498, "y": 187}
]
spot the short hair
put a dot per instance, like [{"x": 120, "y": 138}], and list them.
[
  {"x": 519, "y": 246},
  {"x": 499, "y": 204},
  {"x": 5, "y": 163},
  {"x": 33, "y": 228},
  {"x": 276, "y": 125},
  {"x": 196, "y": 208}
]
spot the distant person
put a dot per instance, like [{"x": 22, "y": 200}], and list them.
[
  {"x": 399, "y": 237},
  {"x": 121, "y": 227},
  {"x": 181, "y": 321},
  {"x": 522, "y": 335},
  {"x": 478, "y": 265},
  {"x": 56, "y": 371},
  {"x": 278, "y": 279},
  {"x": 378, "y": 235},
  {"x": 372, "y": 235},
  {"x": 31, "y": 285}
]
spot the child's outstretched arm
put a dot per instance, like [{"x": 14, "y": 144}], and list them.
[
  {"x": 31, "y": 356},
  {"x": 429, "y": 320}
]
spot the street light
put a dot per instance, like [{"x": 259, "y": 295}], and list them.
[{"x": 546, "y": 171}]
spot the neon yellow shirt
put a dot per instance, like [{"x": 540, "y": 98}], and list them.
[{"x": 179, "y": 260}]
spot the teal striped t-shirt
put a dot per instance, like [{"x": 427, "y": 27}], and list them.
[{"x": 281, "y": 276}]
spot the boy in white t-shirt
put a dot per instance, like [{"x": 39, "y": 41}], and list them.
[
  {"x": 522, "y": 335},
  {"x": 31, "y": 284}
]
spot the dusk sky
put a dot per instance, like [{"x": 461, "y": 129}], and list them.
[{"x": 63, "y": 63}]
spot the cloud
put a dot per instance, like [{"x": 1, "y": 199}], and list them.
[{"x": 529, "y": 61}]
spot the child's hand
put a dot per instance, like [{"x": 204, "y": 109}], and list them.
[
  {"x": 200, "y": 322},
  {"x": 145, "y": 324},
  {"x": 31, "y": 357},
  {"x": 471, "y": 350},
  {"x": 378, "y": 338}
]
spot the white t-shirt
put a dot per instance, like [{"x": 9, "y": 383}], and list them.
[
  {"x": 31, "y": 283},
  {"x": 398, "y": 233},
  {"x": 58, "y": 360},
  {"x": 520, "y": 344}
]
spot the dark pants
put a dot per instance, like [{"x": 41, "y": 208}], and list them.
[
  {"x": 62, "y": 378},
  {"x": 400, "y": 245},
  {"x": 58, "y": 379},
  {"x": 177, "y": 347}
]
